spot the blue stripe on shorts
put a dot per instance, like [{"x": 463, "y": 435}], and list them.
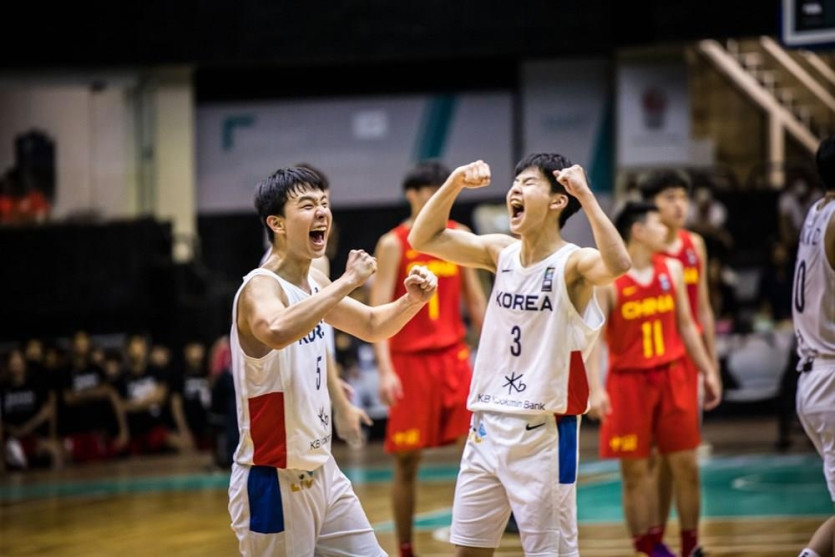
[
  {"x": 266, "y": 513},
  {"x": 567, "y": 431}
]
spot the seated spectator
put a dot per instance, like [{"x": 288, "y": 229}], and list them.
[
  {"x": 34, "y": 352},
  {"x": 223, "y": 413},
  {"x": 160, "y": 356},
  {"x": 113, "y": 366},
  {"x": 191, "y": 397},
  {"x": 90, "y": 415},
  {"x": 144, "y": 393},
  {"x": 27, "y": 407}
]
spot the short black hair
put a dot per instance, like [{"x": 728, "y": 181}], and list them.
[
  {"x": 547, "y": 163},
  {"x": 825, "y": 160},
  {"x": 426, "y": 173},
  {"x": 632, "y": 212},
  {"x": 657, "y": 181},
  {"x": 271, "y": 194},
  {"x": 321, "y": 174}
]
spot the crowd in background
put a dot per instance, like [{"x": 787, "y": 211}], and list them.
[{"x": 76, "y": 400}]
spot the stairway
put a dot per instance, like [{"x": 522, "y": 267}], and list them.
[{"x": 794, "y": 88}]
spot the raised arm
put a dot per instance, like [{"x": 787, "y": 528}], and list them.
[
  {"x": 430, "y": 234},
  {"x": 373, "y": 324},
  {"x": 610, "y": 260},
  {"x": 263, "y": 312},
  {"x": 692, "y": 341}
]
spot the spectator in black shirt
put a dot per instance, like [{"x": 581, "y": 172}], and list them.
[
  {"x": 90, "y": 413},
  {"x": 191, "y": 396},
  {"x": 144, "y": 392},
  {"x": 27, "y": 406}
]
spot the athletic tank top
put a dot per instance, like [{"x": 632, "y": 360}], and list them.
[
  {"x": 282, "y": 399},
  {"x": 813, "y": 294},
  {"x": 438, "y": 324},
  {"x": 642, "y": 330},
  {"x": 693, "y": 267},
  {"x": 533, "y": 346}
]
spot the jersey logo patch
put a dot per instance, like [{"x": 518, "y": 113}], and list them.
[
  {"x": 665, "y": 282},
  {"x": 514, "y": 383},
  {"x": 324, "y": 418},
  {"x": 548, "y": 281},
  {"x": 691, "y": 257}
]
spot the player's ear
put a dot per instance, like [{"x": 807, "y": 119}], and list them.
[
  {"x": 276, "y": 223},
  {"x": 558, "y": 201}
]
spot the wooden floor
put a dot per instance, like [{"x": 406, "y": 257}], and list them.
[{"x": 176, "y": 506}]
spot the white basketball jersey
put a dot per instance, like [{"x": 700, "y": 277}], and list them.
[
  {"x": 284, "y": 408},
  {"x": 813, "y": 295},
  {"x": 533, "y": 346}
]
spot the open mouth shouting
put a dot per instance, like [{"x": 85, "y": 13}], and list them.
[
  {"x": 517, "y": 210},
  {"x": 318, "y": 237}
]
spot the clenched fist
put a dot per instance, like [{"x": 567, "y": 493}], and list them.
[
  {"x": 420, "y": 284},
  {"x": 573, "y": 179},
  {"x": 473, "y": 175},
  {"x": 360, "y": 266}
]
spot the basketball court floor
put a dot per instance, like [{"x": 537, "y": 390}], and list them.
[{"x": 756, "y": 502}]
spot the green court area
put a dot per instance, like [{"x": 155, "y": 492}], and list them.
[
  {"x": 733, "y": 487},
  {"x": 750, "y": 486}
]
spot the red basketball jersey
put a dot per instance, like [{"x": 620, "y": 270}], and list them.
[
  {"x": 642, "y": 331},
  {"x": 693, "y": 268},
  {"x": 439, "y": 323}
]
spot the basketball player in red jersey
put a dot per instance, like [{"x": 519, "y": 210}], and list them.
[
  {"x": 669, "y": 190},
  {"x": 425, "y": 368},
  {"x": 650, "y": 332}
]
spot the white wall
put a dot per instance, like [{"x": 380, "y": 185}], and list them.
[
  {"x": 175, "y": 193},
  {"x": 92, "y": 131},
  {"x": 96, "y": 122}
]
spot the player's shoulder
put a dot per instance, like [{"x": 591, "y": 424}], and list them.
[
  {"x": 673, "y": 264},
  {"x": 579, "y": 253},
  {"x": 259, "y": 287},
  {"x": 695, "y": 237},
  {"x": 389, "y": 243},
  {"x": 320, "y": 278}
]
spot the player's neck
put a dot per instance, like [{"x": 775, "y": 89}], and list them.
[
  {"x": 536, "y": 247},
  {"x": 292, "y": 269},
  {"x": 641, "y": 256},
  {"x": 672, "y": 241}
]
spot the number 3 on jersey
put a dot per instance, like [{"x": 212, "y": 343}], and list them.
[{"x": 516, "y": 341}]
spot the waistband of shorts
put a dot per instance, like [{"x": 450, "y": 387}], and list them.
[{"x": 818, "y": 362}]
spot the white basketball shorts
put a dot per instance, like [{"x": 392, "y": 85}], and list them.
[
  {"x": 527, "y": 464},
  {"x": 816, "y": 410},
  {"x": 290, "y": 513}
]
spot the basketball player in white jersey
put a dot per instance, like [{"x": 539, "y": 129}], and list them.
[
  {"x": 813, "y": 312},
  {"x": 529, "y": 384},
  {"x": 287, "y": 497}
]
